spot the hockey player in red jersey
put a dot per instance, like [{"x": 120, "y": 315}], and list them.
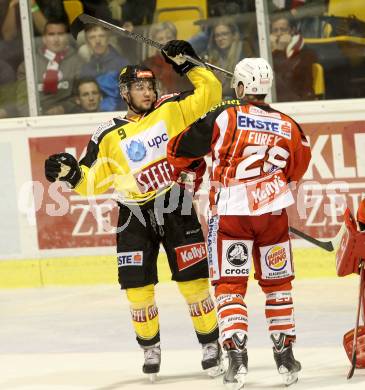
[{"x": 257, "y": 154}]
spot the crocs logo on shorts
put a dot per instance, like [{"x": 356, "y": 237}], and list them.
[
  {"x": 237, "y": 254},
  {"x": 130, "y": 258},
  {"x": 276, "y": 258}
]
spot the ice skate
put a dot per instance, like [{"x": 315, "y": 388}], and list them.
[
  {"x": 212, "y": 360},
  {"x": 234, "y": 378},
  {"x": 287, "y": 366},
  {"x": 152, "y": 361}
]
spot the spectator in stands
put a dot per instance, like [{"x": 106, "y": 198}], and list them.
[
  {"x": 88, "y": 95},
  {"x": 104, "y": 65},
  {"x": 168, "y": 80},
  {"x": 42, "y": 11},
  {"x": 57, "y": 67},
  {"x": 292, "y": 61},
  {"x": 241, "y": 13},
  {"x": 11, "y": 46},
  {"x": 225, "y": 50}
]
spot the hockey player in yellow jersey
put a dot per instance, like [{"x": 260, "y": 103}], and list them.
[{"x": 129, "y": 154}]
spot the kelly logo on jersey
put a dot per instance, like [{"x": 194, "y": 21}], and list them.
[
  {"x": 270, "y": 125},
  {"x": 266, "y": 190},
  {"x": 189, "y": 255}
]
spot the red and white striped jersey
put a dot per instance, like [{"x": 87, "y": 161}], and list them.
[{"x": 256, "y": 151}]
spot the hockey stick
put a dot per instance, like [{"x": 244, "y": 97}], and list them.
[
  {"x": 326, "y": 245},
  {"x": 354, "y": 342},
  {"x": 78, "y": 25}
]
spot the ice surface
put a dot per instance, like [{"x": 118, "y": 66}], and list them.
[{"x": 81, "y": 338}]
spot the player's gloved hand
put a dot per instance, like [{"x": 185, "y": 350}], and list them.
[
  {"x": 173, "y": 53},
  {"x": 192, "y": 177},
  {"x": 62, "y": 166}
]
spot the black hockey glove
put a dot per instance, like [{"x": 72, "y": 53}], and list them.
[
  {"x": 64, "y": 167},
  {"x": 173, "y": 53}
]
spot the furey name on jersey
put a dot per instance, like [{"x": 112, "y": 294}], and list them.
[{"x": 271, "y": 129}]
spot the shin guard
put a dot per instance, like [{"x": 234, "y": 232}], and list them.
[
  {"x": 201, "y": 308},
  {"x": 279, "y": 313},
  {"x": 144, "y": 314}
]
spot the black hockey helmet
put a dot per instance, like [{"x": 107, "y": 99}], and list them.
[{"x": 132, "y": 73}]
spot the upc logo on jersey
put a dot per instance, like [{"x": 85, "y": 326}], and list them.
[
  {"x": 189, "y": 255},
  {"x": 269, "y": 125},
  {"x": 146, "y": 146},
  {"x": 136, "y": 150},
  {"x": 237, "y": 254},
  {"x": 130, "y": 258},
  {"x": 276, "y": 258},
  {"x": 157, "y": 141}
]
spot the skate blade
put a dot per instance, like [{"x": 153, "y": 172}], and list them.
[
  {"x": 152, "y": 377},
  {"x": 215, "y": 371},
  {"x": 239, "y": 384},
  {"x": 289, "y": 378}
]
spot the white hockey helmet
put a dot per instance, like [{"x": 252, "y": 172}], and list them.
[{"x": 255, "y": 74}]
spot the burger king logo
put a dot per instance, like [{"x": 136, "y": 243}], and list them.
[{"x": 276, "y": 258}]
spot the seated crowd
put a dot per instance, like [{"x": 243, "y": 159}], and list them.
[{"x": 82, "y": 76}]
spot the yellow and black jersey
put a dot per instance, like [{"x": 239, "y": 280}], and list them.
[{"x": 130, "y": 156}]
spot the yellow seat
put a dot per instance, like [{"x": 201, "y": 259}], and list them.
[
  {"x": 318, "y": 79},
  {"x": 183, "y": 14},
  {"x": 73, "y": 9},
  {"x": 347, "y": 8}
]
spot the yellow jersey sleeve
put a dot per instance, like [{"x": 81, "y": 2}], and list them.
[
  {"x": 207, "y": 93},
  {"x": 96, "y": 177}
]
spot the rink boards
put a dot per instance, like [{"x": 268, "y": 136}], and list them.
[{"x": 71, "y": 247}]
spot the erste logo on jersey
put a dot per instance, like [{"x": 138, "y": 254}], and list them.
[
  {"x": 146, "y": 146},
  {"x": 130, "y": 258},
  {"x": 258, "y": 123}
]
